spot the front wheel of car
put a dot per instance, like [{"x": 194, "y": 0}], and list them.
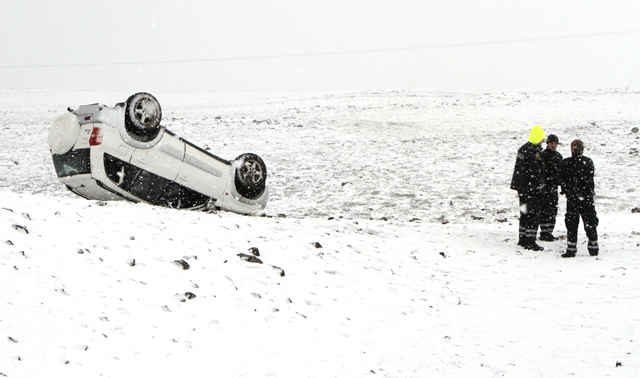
[
  {"x": 142, "y": 116},
  {"x": 250, "y": 176}
]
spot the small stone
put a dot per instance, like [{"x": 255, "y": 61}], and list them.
[
  {"x": 280, "y": 269},
  {"x": 183, "y": 264},
  {"x": 254, "y": 251},
  {"x": 317, "y": 245},
  {"x": 249, "y": 258},
  {"x": 20, "y": 228}
]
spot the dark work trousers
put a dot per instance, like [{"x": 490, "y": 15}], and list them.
[
  {"x": 586, "y": 209},
  {"x": 529, "y": 213},
  {"x": 548, "y": 210}
]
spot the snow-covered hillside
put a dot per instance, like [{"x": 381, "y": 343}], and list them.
[
  {"x": 398, "y": 155},
  {"x": 387, "y": 247}
]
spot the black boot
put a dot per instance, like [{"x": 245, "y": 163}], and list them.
[
  {"x": 568, "y": 254},
  {"x": 533, "y": 246},
  {"x": 547, "y": 236}
]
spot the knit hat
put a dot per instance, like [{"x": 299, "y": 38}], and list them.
[{"x": 552, "y": 138}]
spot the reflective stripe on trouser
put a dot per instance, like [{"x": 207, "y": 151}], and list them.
[
  {"x": 577, "y": 209},
  {"x": 548, "y": 210},
  {"x": 547, "y": 227},
  {"x": 529, "y": 213},
  {"x": 572, "y": 247},
  {"x": 593, "y": 246},
  {"x": 522, "y": 232},
  {"x": 527, "y": 233}
]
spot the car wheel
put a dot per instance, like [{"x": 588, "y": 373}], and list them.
[
  {"x": 251, "y": 176},
  {"x": 142, "y": 116}
]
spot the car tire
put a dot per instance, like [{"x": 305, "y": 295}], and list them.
[
  {"x": 142, "y": 116},
  {"x": 250, "y": 176}
]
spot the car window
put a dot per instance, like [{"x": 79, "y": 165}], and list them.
[
  {"x": 181, "y": 197},
  {"x": 120, "y": 172},
  {"x": 74, "y": 162},
  {"x": 150, "y": 187}
]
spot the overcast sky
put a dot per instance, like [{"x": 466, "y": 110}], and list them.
[{"x": 298, "y": 45}]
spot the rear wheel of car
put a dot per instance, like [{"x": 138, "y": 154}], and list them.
[
  {"x": 250, "y": 176},
  {"x": 142, "y": 116}
]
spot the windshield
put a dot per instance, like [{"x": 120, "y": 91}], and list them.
[{"x": 74, "y": 162}]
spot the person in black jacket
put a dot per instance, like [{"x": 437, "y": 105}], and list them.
[
  {"x": 577, "y": 173},
  {"x": 528, "y": 180},
  {"x": 549, "y": 201}
]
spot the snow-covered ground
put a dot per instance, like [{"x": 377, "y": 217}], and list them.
[{"x": 388, "y": 245}]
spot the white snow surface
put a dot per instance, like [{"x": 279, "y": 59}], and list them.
[{"x": 388, "y": 245}]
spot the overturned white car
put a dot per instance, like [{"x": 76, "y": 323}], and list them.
[{"x": 122, "y": 152}]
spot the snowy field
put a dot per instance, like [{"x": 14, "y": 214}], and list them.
[{"x": 388, "y": 245}]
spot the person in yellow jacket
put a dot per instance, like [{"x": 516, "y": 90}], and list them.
[{"x": 528, "y": 180}]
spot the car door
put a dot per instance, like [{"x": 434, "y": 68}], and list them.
[
  {"x": 203, "y": 173},
  {"x": 163, "y": 159}
]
